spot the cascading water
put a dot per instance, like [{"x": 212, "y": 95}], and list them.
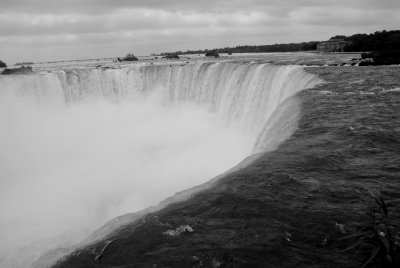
[
  {"x": 245, "y": 94},
  {"x": 83, "y": 146}
]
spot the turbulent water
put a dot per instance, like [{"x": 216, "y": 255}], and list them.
[
  {"x": 81, "y": 146},
  {"x": 292, "y": 206},
  {"x": 241, "y": 93}
]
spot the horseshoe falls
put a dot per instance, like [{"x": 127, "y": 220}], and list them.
[{"x": 82, "y": 146}]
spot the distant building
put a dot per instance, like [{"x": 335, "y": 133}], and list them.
[{"x": 332, "y": 45}]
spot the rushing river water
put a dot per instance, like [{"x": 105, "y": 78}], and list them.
[{"x": 85, "y": 145}]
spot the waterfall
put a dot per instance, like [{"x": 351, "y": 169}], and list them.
[
  {"x": 82, "y": 146},
  {"x": 245, "y": 94}
]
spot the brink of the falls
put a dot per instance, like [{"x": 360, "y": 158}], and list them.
[{"x": 83, "y": 146}]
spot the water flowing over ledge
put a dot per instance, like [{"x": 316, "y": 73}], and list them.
[
  {"x": 255, "y": 97},
  {"x": 245, "y": 94}
]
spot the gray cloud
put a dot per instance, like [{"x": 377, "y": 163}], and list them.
[{"x": 103, "y": 27}]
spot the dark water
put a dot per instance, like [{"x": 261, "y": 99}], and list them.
[
  {"x": 289, "y": 207},
  {"x": 354, "y": 123}
]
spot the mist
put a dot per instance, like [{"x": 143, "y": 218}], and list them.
[{"x": 66, "y": 169}]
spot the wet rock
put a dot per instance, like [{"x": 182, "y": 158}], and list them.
[{"x": 22, "y": 70}]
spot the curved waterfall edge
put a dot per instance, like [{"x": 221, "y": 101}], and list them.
[{"x": 258, "y": 97}]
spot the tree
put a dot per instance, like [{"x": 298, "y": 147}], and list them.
[
  {"x": 338, "y": 37},
  {"x": 172, "y": 56},
  {"x": 130, "y": 57},
  {"x": 212, "y": 53},
  {"x": 2, "y": 64}
]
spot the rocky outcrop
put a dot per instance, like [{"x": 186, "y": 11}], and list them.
[
  {"x": 385, "y": 57},
  {"x": 21, "y": 70}
]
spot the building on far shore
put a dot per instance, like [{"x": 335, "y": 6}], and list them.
[{"x": 332, "y": 45}]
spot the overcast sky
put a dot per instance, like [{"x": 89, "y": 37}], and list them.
[{"x": 43, "y": 30}]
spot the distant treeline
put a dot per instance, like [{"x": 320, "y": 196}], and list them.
[
  {"x": 23, "y": 63},
  {"x": 378, "y": 41},
  {"x": 293, "y": 47},
  {"x": 382, "y": 46},
  {"x": 2, "y": 64}
]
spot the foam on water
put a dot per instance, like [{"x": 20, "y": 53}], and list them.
[{"x": 80, "y": 147}]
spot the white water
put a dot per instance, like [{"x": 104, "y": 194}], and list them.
[{"x": 81, "y": 147}]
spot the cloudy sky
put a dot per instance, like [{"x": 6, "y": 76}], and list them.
[{"x": 43, "y": 30}]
